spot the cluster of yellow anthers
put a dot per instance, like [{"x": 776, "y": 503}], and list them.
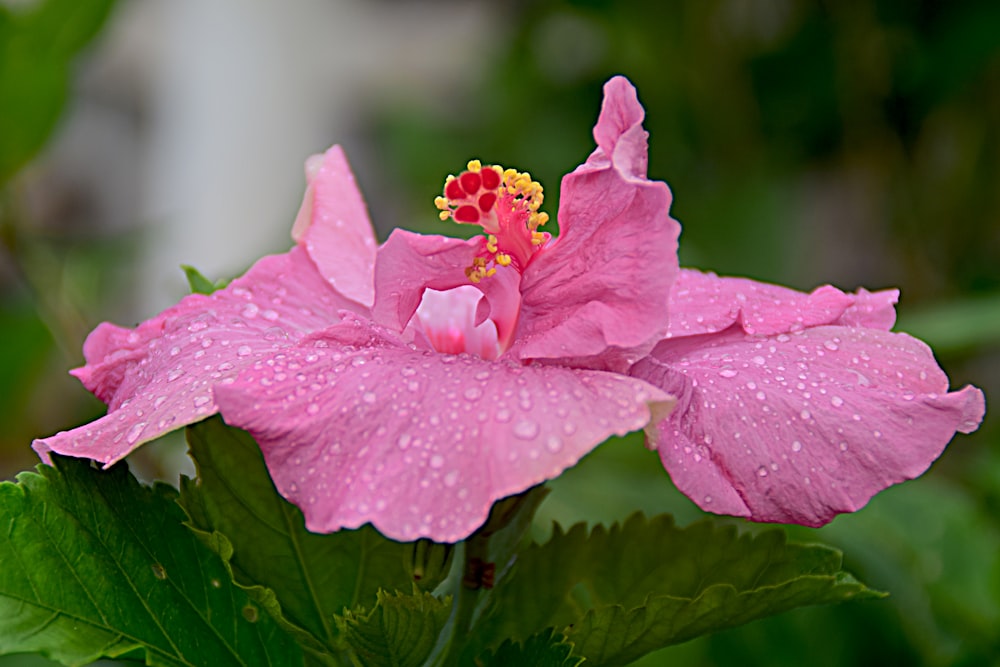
[{"x": 494, "y": 198}]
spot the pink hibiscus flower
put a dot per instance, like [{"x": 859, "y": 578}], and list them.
[{"x": 412, "y": 385}]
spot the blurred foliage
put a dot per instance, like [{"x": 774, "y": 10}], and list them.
[{"x": 39, "y": 42}]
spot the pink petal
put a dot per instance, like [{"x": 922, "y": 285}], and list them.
[
  {"x": 333, "y": 226},
  {"x": 618, "y": 133},
  {"x": 872, "y": 310},
  {"x": 798, "y": 428},
  {"x": 161, "y": 376},
  {"x": 417, "y": 443},
  {"x": 448, "y": 322},
  {"x": 408, "y": 263},
  {"x": 705, "y": 303},
  {"x": 603, "y": 282}
]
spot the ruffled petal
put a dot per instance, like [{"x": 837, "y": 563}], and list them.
[
  {"x": 160, "y": 376},
  {"x": 798, "y": 428},
  {"x": 603, "y": 282},
  {"x": 410, "y": 263},
  {"x": 704, "y": 303},
  {"x": 333, "y": 226},
  {"x": 417, "y": 443}
]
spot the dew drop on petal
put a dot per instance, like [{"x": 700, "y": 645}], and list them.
[
  {"x": 526, "y": 430},
  {"x": 728, "y": 373},
  {"x": 837, "y": 401},
  {"x": 404, "y": 440},
  {"x": 135, "y": 432},
  {"x": 437, "y": 461},
  {"x": 554, "y": 443},
  {"x": 796, "y": 446}
]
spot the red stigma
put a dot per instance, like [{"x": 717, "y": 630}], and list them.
[
  {"x": 471, "y": 181},
  {"x": 491, "y": 179},
  {"x": 453, "y": 190},
  {"x": 487, "y": 200},
  {"x": 468, "y": 214}
]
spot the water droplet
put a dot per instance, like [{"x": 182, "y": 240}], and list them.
[
  {"x": 759, "y": 360},
  {"x": 554, "y": 443},
  {"x": 831, "y": 345},
  {"x": 762, "y": 471},
  {"x": 437, "y": 461},
  {"x": 837, "y": 401},
  {"x": 761, "y": 396},
  {"x": 368, "y": 397},
  {"x": 250, "y": 311},
  {"x": 201, "y": 400},
  {"x": 526, "y": 430},
  {"x": 503, "y": 415},
  {"x": 473, "y": 393},
  {"x": 160, "y": 400},
  {"x": 451, "y": 478},
  {"x": 728, "y": 373},
  {"x": 174, "y": 374},
  {"x": 135, "y": 432},
  {"x": 843, "y": 446},
  {"x": 404, "y": 441},
  {"x": 805, "y": 414},
  {"x": 796, "y": 446},
  {"x": 159, "y": 571},
  {"x": 313, "y": 408}
]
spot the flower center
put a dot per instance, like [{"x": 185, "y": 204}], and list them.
[{"x": 505, "y": 204}]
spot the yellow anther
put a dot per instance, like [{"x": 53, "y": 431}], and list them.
[
  {"x": 474, "y": 165},
  {"x": 503, "y": 259},
  {"x": 444, "y": 215},
  {"x": 491, "y": 243},
  {"x": 441, "y": 203}
]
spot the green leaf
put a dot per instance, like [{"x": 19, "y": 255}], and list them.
[
  {"x": 36, "y": 47},
  {"x": 198, "y": 283},
  {"x": 546, "y": 649},
  {"x": 312, "y": 576},
  {"x": 96, "y": 565},
  {"x": 621, "y": 593},
  {"x": 400, "y": 631}
]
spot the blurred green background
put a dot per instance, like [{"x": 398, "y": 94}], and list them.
[{"x": 855, "y": 143}]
